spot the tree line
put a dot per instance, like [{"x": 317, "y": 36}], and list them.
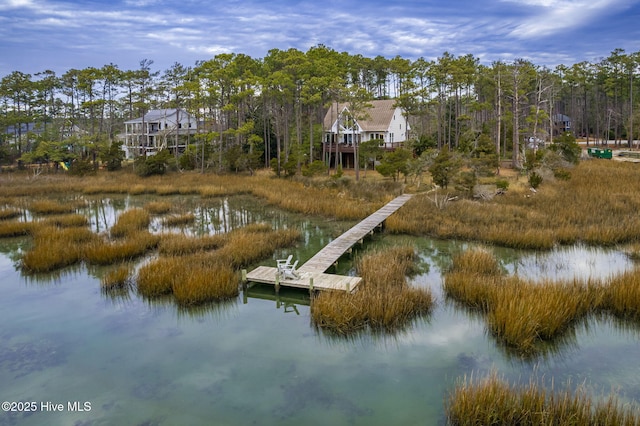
[{"x": 257, "y": 111}]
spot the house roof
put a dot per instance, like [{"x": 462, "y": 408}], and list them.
[
  {"x": 561, "y": 117},
  {"x": 377, "y": 117},
  {"x": 156, "y": 115},
  {"x": 24, "y": 128}
]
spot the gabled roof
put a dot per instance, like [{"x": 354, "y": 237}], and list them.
[
  {"x": 156, "y": 115},
  {"x": 377, "y": 117}
]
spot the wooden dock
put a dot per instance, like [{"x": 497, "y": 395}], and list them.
[{"x": 312, "y": 274}]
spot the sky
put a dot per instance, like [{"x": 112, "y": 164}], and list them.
[{"x": 58, "y": 35}]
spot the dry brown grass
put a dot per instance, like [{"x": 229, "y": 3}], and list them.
[
  {"x": 384, "y": 301},
  {"x": 597, "y": 205},
  {"x": 46, "y": 207},
  {"x": 116, "y": 279},
  {"x": 55, "y": 248},
  {"x": 180, "y": 245},
  {"x": 158, "y": 207},
  {"x": 67, "y": 221},
  {"x": 493, "y": 401},
  {"x": 523, "y": 314},
  {"x": 101, "y": 252},
  {"x": 203, "y": 276},
  {"x": 9, "y": 213},
  {"x": 179, "y": 220},
  {"x": 129, "y": 222},
  {"x": 13, "y": 228}
]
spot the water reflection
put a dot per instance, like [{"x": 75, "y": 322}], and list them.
[
  {"x": 567, "y": 263},
  {"x": 257, "y": 359}
]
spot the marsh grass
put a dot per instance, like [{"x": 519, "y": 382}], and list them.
[
  {"x": 136, "y": 244},
  {"x": 524, "y": 315},
  {"x": 206, "y": 282},
  {"x": 129, "y": 222},
  {"x": 202, "y": 276},
  {"x": 621, "y": 297},
  {"x": 596, "y": 206},
  {"x": 254, "y": 242},
  {"x": 55, "y": 248},
  {"x": 179, "y": 220},
  {"x": 47, "y": 207},
  {"x": 13, "y": 228},
  {"x": 116, "y": 279},
  {"x": 67, "y": 221},
  {"x": 158, "y": 207},
  {"x": 9, "y": 213},
  {"x": 384, "y": 301},
  {"x": 180, "y": 245},
  {"x": 493, "y": 401}
]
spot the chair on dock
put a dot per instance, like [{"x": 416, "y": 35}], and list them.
[
  {"x": 289, "y": 272},
  {"x": 284, "y": 263}
]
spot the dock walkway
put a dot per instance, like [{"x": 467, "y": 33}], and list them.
[{"x": 312, "y": 272}]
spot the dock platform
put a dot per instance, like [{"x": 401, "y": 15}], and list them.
[{"x": 312, "y": 272}]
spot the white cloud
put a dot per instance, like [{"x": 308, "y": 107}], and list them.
[{"x": 557, "y": 16}]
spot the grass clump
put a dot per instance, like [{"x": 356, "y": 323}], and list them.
[
  {"x": 12, "y": 228},
  {"x": 254, "y": 242},
  {"x": 521, "y": 314},
  {"x": 158, "y": 207},
  {"x": 129, "y": 222},
  {"x": 55, "y": 248},
  {"x": 46, "y": 207},
  {"x": 9, "y": 213},
  {"x": 116, "y": 279},
  {"x": 621, "y": 296},
  {"x": 204, "y": 283},
  {"x": 68, "y": 221},
  {"x": 492, "y": 401},
  {"x": 384, "y": 301},
  {"x": 179, "y": 220},
  {"x": 102, "y": 252},
  {"x": 203, "y": 277},
  {"x": 180, "y": 245}
]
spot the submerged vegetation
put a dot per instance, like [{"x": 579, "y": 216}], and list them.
[{"x": 384, "y": 301}]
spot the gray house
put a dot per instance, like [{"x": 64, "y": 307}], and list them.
[{"x": 158, "y": 129}]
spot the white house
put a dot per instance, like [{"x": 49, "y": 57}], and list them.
[
  {"x": 382, "y": 120},
  {"x": 158, "y": 129}
]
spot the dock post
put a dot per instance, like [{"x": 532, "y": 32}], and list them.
[
  {"x": 277, "y": 283},
  {"x": 311, "y": 286},
  {"x": 348, "y": 288},
  {"x": 244, "y": 286}
]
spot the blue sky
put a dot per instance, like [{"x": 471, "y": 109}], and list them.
[{"x": 36, "y": 35}]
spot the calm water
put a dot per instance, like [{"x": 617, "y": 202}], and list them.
[{"x": 257, "y": 360}]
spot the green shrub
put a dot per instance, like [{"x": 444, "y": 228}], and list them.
[
  {"x": 535, "y": 180},
  {"x": 316, "y": 168}
]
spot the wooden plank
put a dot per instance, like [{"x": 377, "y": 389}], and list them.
[
  {"x": 336, "y": 248},
  {"x": 267, "y": 275},
  {"x": 314, "y": 268}
]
